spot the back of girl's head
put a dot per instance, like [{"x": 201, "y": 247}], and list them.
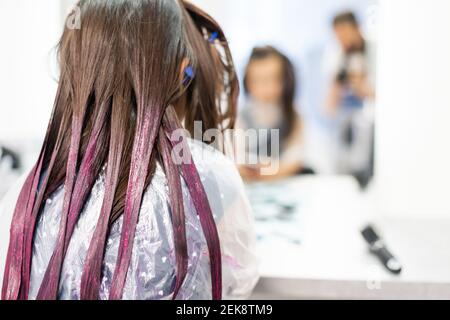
[
  {"x": 128, "y": 57},
  {"x": 121, "y": 74},
  {"x": 143, "y": 45}
]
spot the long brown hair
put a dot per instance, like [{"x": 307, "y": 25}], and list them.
[
  {"x": 120, "y": 76},
  {"x": 289, "y": 82}
]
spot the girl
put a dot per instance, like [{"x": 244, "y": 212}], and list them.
[
  {"x": 107, "y": 212},
  {"x": 270, "y": 84}
]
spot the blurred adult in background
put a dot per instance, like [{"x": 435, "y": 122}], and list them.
[
  {"x": 350, "y": 69},
  {"x": 270, "y": 85}
]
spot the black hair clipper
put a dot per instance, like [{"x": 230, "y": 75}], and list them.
[{"x": 378, "y": 248}]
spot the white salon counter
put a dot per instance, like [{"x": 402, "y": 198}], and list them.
[{"x": 333, "y": 261}]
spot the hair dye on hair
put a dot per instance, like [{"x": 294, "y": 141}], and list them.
[{"x": 113, "y": 115}]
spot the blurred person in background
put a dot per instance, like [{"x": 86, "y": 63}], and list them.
[
  {"x": 351, "y": 92},
  {"x": 270, "y": 85}
]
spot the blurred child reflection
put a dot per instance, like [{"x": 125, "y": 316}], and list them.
[
  {"x": 270, "y": 85},
  {"x": 349, "y": 97}
]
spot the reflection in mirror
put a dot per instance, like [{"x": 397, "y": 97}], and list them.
[{"x": 309, "y": 104}]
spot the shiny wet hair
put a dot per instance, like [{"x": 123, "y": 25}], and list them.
[{"x": 121, "y": 74}]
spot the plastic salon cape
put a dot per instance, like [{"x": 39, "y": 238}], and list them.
[{"x": 152, "y": 270}]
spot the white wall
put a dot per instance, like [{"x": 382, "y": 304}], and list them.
[
  {"x": 413, "y": 148},
  {"x": 29, "y": 30},
  {"x": 293, "y": 25}
]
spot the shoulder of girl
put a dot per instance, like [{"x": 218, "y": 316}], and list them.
[{"x": 211, "y": 162}]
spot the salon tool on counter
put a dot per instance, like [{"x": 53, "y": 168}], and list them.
[{"x": 379, "y": 248}]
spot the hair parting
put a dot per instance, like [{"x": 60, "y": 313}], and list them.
[{"x": 150, "y": 104}]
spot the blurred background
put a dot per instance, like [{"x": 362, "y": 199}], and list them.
[
  {"x": 300, "y": 29},
  {"x": 359, "y": 92}
]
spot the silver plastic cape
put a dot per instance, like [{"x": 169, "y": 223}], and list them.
[{"x": 152, "y": 270}]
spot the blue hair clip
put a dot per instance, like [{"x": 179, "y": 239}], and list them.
[
  {"x": 214, "y": 36},
  {"x": 189, "y": 74}
]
